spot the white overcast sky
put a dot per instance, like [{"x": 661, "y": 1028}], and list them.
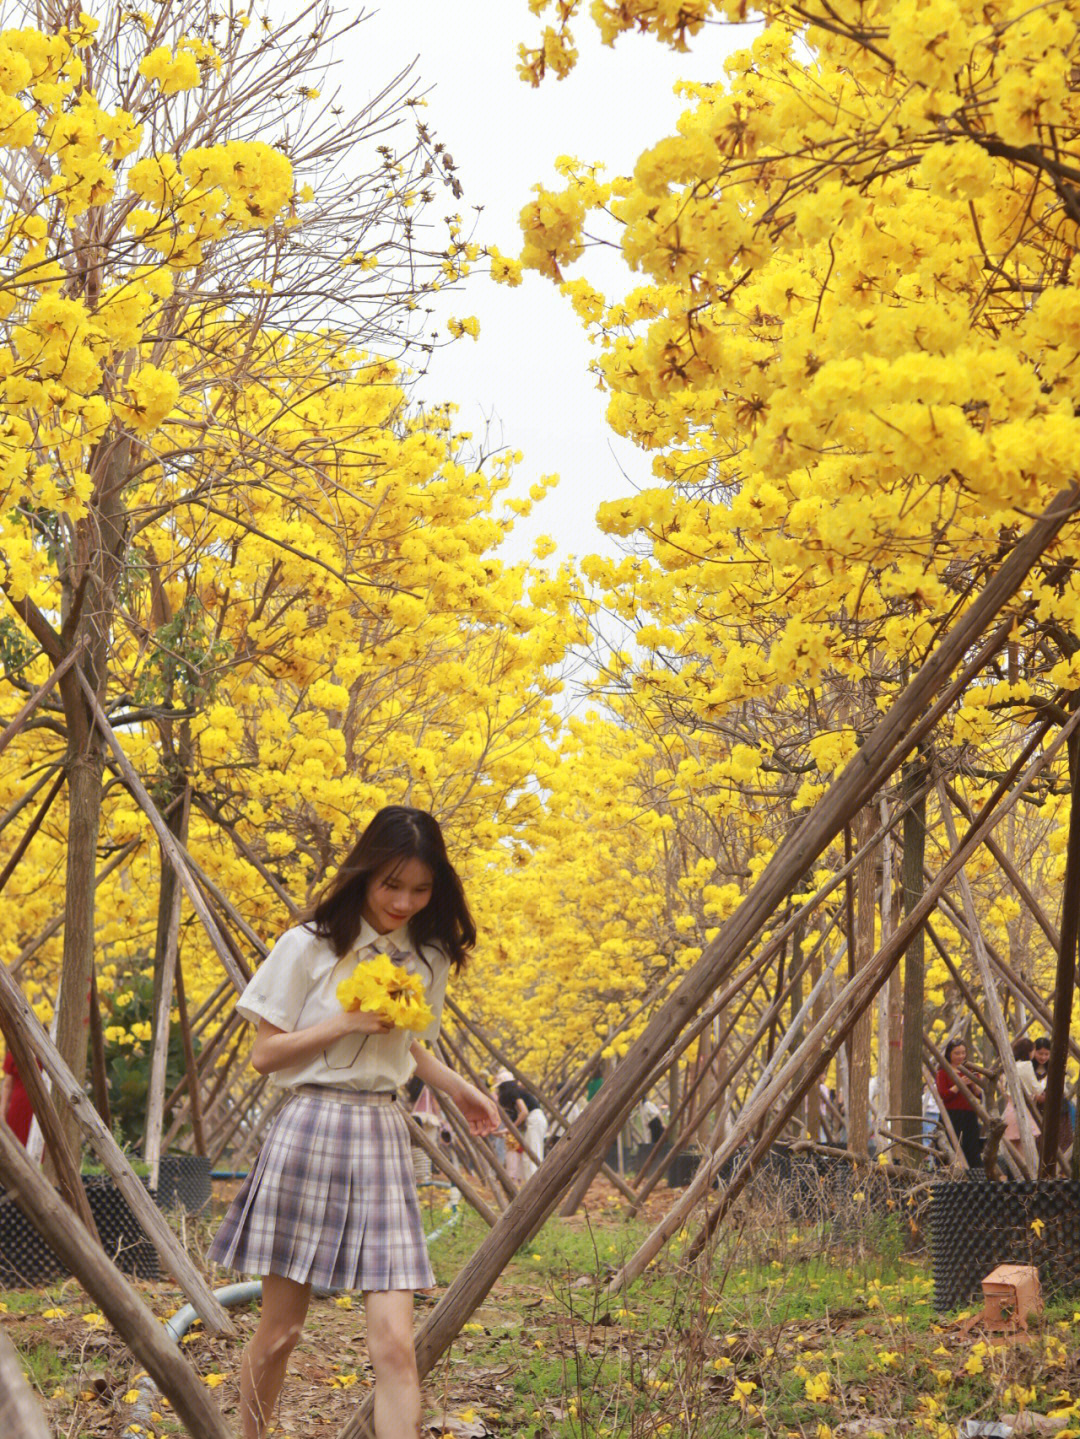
[{"x": 527, "y": 374}]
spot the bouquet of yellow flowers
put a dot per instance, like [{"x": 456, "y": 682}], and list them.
[{"x": 379, "y": 986}]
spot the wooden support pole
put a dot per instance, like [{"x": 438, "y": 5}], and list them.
[
  {"x": 998, "y": 1030},
  {"x": 165, "y": 836},
  {"x": 203, "y": 1064},
  {"x": 795, "y": 920},
  {"x": 57, "y": 922},
  {"x": 1020, "y": 987},
  {"x": 913, "y": 884},
  {"x": 705, "y": 1018},
  {"x": 20, "y": 1416},
  {"x": 14, "y": 726},
  {"x": 211, "y": 1006},
  {"x": 450, "y": 1169},
  {"x": 555, "y": 1111},
  {"x": 31, "y": 829},
  {"x": 502, "y": 1179},
  {"x": 1041, "y": 918},
  {"x": 28, "y": 795},
  {"x": 99, "y": 1078},
  {"x": 673, "y": 1136},
  {"x": 232, "y": 1107},
  {"x": 41, "y": 1102},
  {"x": 189, "y": 1061},
  {"x": 736, "y": 986},
  {"x": 166, "y": 982},
  {"x": 958, "y": 979},
  {"x": 140, "y": 1329},
  {"x": 861, "y": 1031},
  {"x": 1065, "y": 978},
  {"x": 258, "y": 1128},
  {"x": 473, "y": 1150},
  {"x": 70, "y": 1093},
  {"x": 219, "y": 1091},
  {"x": 226, "y": 908},
  {"x": 249, "y": 854},
  {"x": 251, "y": 1095}
]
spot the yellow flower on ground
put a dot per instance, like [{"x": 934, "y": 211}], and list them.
[
  {"x": 379, "y": 986},
  {"x": 213, "y": 1380},
  {"x": 819, "y": 1388}
]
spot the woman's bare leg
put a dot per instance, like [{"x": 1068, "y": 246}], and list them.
[
  {"x": 262, "y": 1367},
  {"x": 390, "y": 1344}
]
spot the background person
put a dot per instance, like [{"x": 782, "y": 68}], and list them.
[
  {"x": 1032, "y": 1086},
  {"x": 961, "y": 1115},
  {"x": 15, "y": 1103}
]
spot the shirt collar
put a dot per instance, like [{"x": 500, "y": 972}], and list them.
[{"x": 399, "y": 937}]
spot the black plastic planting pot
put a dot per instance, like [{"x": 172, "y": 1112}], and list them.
[
  {"x": 683, "y": 1167},
  {"x": 975, "y": 1226},
  {"x": 184, "y": 1179},
  {"x": 26, "y": 1260}
]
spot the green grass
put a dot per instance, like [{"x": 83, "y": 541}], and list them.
[{"x": 786, "y": 1331}]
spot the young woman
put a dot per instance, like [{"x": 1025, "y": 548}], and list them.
[
  {"x": 331, "y": 1201},
  {"x": 962, "y": 1117},
  {"x": 1032, "y": 1087}
]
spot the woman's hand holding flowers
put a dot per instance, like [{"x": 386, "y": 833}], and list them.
[{"x": 380, "y": 990}]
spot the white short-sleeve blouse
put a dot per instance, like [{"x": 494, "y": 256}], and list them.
[{"x": 296, "y": 987}]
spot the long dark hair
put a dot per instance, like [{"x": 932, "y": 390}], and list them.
[
  {"x": 397, "y": 833},
  {"x": 951, "y": 1048},
  {"x": 1023, "y": 1048}
]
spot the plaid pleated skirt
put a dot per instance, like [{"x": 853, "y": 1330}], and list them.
[{"x": 331, "y": 1201}]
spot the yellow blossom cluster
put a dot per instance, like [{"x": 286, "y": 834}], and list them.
[{"x": 379, "y": 986}]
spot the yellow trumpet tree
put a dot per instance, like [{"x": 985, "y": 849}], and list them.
[
  {"x": 851, "y": 356},
  {"x": 188, "y": 232}
]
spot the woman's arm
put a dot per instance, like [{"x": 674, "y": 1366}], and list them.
[
  {"x": 946, "y": 1088},
  {"x": 282, "y": 1048},
  {"x": 478, "y": 1108}
]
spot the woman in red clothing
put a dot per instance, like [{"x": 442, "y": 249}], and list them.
[
  {"x": 961, "y": 1115},
  {"x": 14, "y": 1101}
]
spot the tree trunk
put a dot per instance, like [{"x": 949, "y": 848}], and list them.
[{"x": 88, "y": 590}]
